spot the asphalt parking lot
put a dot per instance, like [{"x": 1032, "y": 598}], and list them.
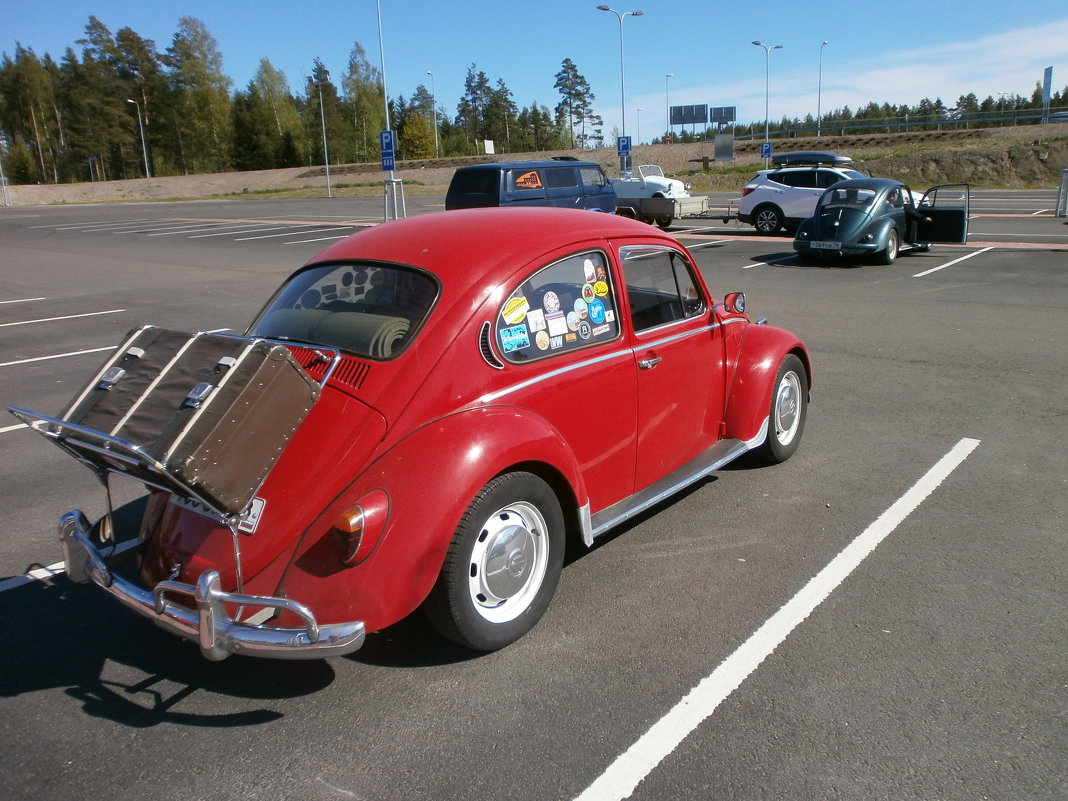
[{"x": 881, "y": 617}]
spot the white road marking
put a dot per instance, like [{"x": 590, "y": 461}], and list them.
[
  {"x": 766, "y": 263},
  {"x": 64, "y": 317},
  {"x": 55, "y": 356},
  {"x": 21, "y": 300},
  {"x": 950, "y": 263},
  {"x": 638, "y": 761},
  {"x": 320, "y": 239},
  {"x": 290, "y": 233}
]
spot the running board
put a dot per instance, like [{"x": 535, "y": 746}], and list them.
[{"x": 724, "y": 451}]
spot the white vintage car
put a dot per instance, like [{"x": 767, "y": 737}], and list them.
[
  {"x": 650, "y": 182},
  {"x": 653, "y": 197}
]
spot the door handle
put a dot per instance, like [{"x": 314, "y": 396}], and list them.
[{"x": 649, "y": 364}]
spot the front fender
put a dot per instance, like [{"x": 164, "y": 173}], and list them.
[
  {"x": 430, "y": 477},
  {"x": 761, "y": 351}
]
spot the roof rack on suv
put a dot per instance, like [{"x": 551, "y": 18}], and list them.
[{"x": 809, "y": 158}]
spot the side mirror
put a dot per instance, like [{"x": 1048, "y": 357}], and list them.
[{"x": 735, "y": 302}]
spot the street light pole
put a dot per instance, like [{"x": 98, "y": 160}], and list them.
[
  {"x": 434, "y": 112},
  {"x": 767, "y": 86},
  {"x": 667, "y": 103},
  {"x": 141, "y": 128},
  {"x": 326, "y": 153},
  {"x": 622, "y": 80},
  {"x": 819, "y": 92}
]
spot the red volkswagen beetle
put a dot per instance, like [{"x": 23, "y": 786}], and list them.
[{"x": 475, "y": 388}]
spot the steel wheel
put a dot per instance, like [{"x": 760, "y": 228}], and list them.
[
  {"x": 502, "y": 565},
  {"x": 508, "y": 562}
]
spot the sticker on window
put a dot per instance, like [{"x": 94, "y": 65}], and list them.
[{"x": 528, "y": 180}]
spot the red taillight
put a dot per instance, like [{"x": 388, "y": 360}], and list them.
[
  {"x": 357, "y": 529},
  {"x": 747, "y": 189}
]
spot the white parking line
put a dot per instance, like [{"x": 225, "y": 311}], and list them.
[
  {"x": 950, "y": 263},
  {"x": 320, "y": 239},
  {"x": 64, "y": 317},
  {"x": 638, "y": 761},
  {"x": 770, "y": 261},
  {"x": 21, "y": 300},
  {"x": 271, "y": 236},
  {"x": 55, "y": 356}
]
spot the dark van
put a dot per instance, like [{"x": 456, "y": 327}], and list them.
[{"x": 573, "y": 184}]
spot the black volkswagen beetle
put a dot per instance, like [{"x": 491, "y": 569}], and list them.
[{"x": 880, "y": 217}]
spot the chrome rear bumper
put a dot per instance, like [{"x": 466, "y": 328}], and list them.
[{"x": 209, "y": 625}]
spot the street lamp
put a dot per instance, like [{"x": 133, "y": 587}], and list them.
[
  {"x": 326, "y": 153},
  {"x": 141, "y": 128},
  {"x": 667, "y": 103},
  {"x": 819, "y": 91},
  {"x": 638, "y": 128},
  {"x": 434, "y": 112},
  {"x": 767, "y": 85},
  {"x": 622, "y": 83}
]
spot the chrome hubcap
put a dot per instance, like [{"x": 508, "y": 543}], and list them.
[
  {"x": 788, "y": 408},
  {"x": 508, "y": 562}
]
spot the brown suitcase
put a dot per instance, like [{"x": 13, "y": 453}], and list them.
[{"x": 206, "y": 415}]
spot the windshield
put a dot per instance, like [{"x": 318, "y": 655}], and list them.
[{"x": 371, "y": 310}]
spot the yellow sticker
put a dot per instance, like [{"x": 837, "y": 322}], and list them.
[{"x": 515, "y": 310}]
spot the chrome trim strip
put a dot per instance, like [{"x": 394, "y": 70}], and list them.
[
  {"x": 209, "y": 625},
  {"x": 617, "y": 354}
]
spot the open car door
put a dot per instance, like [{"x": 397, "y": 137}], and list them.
[{"x": 947, "y": 206}]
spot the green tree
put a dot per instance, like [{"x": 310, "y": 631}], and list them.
[
  {"x": 364, "y": 109},
  {"x": 575, "y": 108},
  {"x": 201, "y": 97}
]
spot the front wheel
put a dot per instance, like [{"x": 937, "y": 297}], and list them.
[
  {"x": 786, "y": 415},
  {"x": 502, "y": 566}
]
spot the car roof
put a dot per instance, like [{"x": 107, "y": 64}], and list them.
[
  {"x": 875, "y": 184},
  {"x": 527, "y": 165},
  {"x": 470, "y": 247}
]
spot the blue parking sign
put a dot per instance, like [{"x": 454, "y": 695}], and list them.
[
  {"x": 385, "y": 139},
  {"x": 622, "y": 145},
  {"x": 765, "y": 150}
]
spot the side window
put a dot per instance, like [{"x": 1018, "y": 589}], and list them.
[
  {"x": 560, "y": 178},
  {"x": 801, "y": 178},
  {"x": 825, "y": 178},
  {"x": 660, "y": 287},
  {"x": 593, "y": 176},
  {"x": 527, "y": 180},
  {"x": 565, "y": 306}
]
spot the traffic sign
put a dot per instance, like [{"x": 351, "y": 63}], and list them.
[
  {"x": 385, "y": 139},
  {"x": 622, "y": 146},
  {"x": 765, "y": 150}
]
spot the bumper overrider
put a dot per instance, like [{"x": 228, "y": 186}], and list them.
[{"x": 209, "y": 624}]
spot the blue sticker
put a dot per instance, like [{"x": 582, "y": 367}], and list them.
[
  {"x": 597, "y": 311},
  {"x": 514, "y": 338}
]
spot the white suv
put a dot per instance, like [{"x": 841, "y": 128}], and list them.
[{"x": 784, "y": 196}]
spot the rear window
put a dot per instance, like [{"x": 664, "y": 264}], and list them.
[
  {"x": 370, "y": 310},
  {"x": 474, "y": 182}
]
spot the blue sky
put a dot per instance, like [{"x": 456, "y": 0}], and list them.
[{"x": 896, "y": 52}]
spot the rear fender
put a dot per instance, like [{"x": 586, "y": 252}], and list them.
[
  {"x": 762, "y": 349},
  {"x": 430, "y": 478}
]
